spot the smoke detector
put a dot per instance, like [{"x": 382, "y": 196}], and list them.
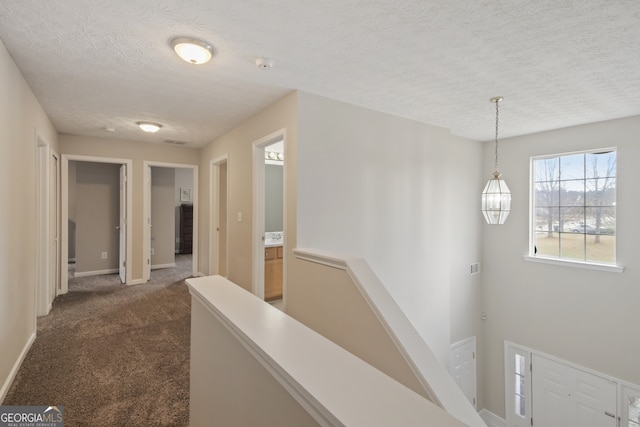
[{"x": 264, "y": 63}]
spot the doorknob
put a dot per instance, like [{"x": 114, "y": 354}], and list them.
[
  {"x": 609, "y": 414},
  {"x": 117, "y": 227}
]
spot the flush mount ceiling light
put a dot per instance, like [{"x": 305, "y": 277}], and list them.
[
  {"x": 149, "y": 126},
  {"x": 192, "y": 50},
  {"x": 496, "y": 197}
]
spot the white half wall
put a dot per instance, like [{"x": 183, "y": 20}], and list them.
[{"x": 404, "y": 196}]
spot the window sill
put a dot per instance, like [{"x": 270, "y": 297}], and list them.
[{"x": 578, "y": 264}]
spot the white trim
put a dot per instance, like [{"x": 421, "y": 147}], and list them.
[
  {"x": 159, "y": 266},
  {"x": 257, "y": 234},
  {"x": 96, "y": 272},
  {"x": 491, "y": 419},
  {"x": 214, "y": 217},
  {"x": 64, "y": 215},
  {"x": 136, "y": 282},
  {"x": 335, "y": 387},
  {"x": 432, "y": 375},
  {"x": 146, "y": 214},
  {"x": 571, "y": 263},
  {"x": 16, "y": 367},
  {"x": 452, "y": 349},
  {"x": 43, "y": 212}
]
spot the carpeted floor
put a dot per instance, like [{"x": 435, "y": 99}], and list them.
[{"x": 113, "y": 355}]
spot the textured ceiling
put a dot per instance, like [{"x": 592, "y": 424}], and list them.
[{"x": 558, "y": 63}]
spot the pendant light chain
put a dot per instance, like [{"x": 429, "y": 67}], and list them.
[{"x": 497, "y": 101}]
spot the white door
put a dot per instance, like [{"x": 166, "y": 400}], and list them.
[
  {"x": 123, "y": 224},
  {"x": 463, "y": 367},
  {"x": 564, "y": 396}
]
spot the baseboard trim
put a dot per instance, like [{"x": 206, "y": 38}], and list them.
[
  {"x": 16, "y": 366},
  {"x": 159, "y": 266},
  {"x": 95, "y": 273},
  {"x": 491, "y": 419}
]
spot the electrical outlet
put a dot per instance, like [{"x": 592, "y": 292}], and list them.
[{"x": 104, "y": 255}]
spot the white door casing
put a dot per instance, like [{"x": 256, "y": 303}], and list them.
[
  {"x": 258, "y": 213},
  {"x": 218, "y": 225},
  {"x": 64, "y": 217},
  {"x": 122, "y": 226},
  {"x": 463, "y": 367},
  {"x": 146, "y": 238}
]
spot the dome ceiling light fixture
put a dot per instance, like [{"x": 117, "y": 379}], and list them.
[
  {"x": 496, "y": 197},
  {"x": 149, "y": 126},
  {"x": 192, "y": 50}
]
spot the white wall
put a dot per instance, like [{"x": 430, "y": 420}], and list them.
[
  {"x": 583, "y": 316},
  {"x": 404, "y": 196},
  {"x": 21, "y": 118}
]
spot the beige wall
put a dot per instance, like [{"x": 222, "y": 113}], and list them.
[
  {"x": 584, "y": 316},
  {"x": 163, "y": 214},
  {"x": 237, "y": 145},
  {"x": 326, "y": 300},
  {"x": 97, "y": 216},
  {"x": 21, "y": 118},
  {"x": 402, "y": 195},
  {"x": 138, "y": 152}
]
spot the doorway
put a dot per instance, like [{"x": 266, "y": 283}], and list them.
[
  {"x": 219, "y": 226},
  {"x": 117, "y": 230},
  {"x": 170, "y": 237},
  {"x": 269, "y": 218},
  {"x": 48, "y": 226}
]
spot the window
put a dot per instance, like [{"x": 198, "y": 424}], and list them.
[
  {"x": 517, "y": 385},
  {"x": 631, "y": 407},
  {"x": 574, "y": 206}
]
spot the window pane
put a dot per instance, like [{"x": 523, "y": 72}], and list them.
[
  {"x": 520, "y": 364},
  {"x": 520, "y": 406},
  {"x": 572, "y": 193},
  {"x": 547, "y": 244},
  {"x": 634, "y": 410},
  {"x": 572, "y": 246},
  {"x": 546, "y": 219},
  {"x": 547, "y": 194},
  {"x": 601, "y": 249},
  {"x": 572, "y": 167},
  {"x": 546, "y": 169},
  {"x": 519, "y": 385},
  {"x": 600, "y": 164},
  {"x": 574, "y": 206},
  {"x": 572, "y": 219},
  {"x": 600, "y": 192}
]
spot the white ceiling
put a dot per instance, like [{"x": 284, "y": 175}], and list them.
[{"x": 558, "y": 63}]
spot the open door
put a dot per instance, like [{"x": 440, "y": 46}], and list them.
[{"x": 123, "y": 224}]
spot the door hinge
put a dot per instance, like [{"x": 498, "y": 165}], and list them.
[
  {"x": 474, "y": 400},
  {"x": 531, "y": 420},
  {"x": 474, "y": 354},
  {"x": 148, "y": 261},
  {"x": 124, "y": 263}
]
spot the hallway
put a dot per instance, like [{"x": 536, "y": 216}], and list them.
[{"x": 112, "y": 354}]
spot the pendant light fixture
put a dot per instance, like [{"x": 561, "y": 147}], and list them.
[{"x": 496, "y": 197}]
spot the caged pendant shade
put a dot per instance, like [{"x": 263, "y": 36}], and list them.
[{"x": 496, "y": 197}]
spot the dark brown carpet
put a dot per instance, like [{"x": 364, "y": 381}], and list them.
[{"x": 113, "y": 355}]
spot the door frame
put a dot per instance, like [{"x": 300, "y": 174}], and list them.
[
  {"x": 146, "y": 234},
  {"x": 257, "y": 285},
  {"x": 454, "y": 348},
  {"x": 64, "y": 217},
  {"x": 47, "y": 281},
  {"x": 214, "y": 209}
]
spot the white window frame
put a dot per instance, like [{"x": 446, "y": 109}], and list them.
[
  {"x": 626, "y": 391},
  {"x": 531, "y": 256}
]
